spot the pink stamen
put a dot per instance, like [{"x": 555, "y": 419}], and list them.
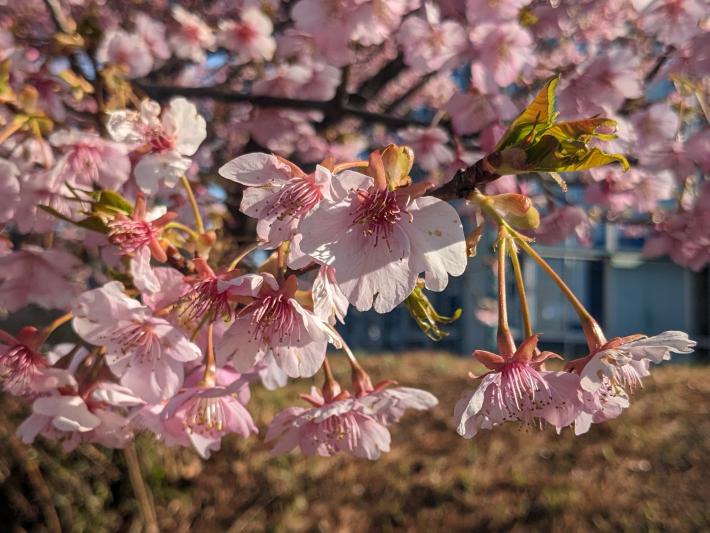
[
  {"x": 272, "y": 318},
  {"x": 379, "y": 211}
]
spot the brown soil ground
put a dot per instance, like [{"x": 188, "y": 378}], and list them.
[{"x": 648, "y": 470}]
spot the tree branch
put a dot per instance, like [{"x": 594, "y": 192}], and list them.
[{"x": 163, "y": 92}]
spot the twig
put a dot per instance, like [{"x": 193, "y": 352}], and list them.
[
  {"x": 163, "y": 92},
  {"x": 145, "y": 503}
]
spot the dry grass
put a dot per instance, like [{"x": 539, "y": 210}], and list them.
[{"x": 648, "y": 470}]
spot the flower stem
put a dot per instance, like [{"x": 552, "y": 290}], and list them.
[
  {"x": 182, "y": 227},
  {"x": 210, "y": 362},
  {"x": 56, "y": 323},
  {"x": 242, "y": 254},
  {"x": 584, "y": 315},
  {"x": 145, "y": 503},
  {"x": 193, "y": 202},
  {"x": 505, "y": 337},
  {"x": 520, "y": 283}
]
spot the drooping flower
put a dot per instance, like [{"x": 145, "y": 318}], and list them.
[
  {"x": 81, "y": 417},
  {"x": 274, "y": 322},
  {"x": 517, "y": 390},
  {"x": 166, "y": 141},
  {"x": 207, "y": 410},
  {"x": 379, "y": 240},
  {"x": 623, "y": 361},
  {"x": 23, "y": 369},
  {"x": 278, "y": 193},
  {"x": 335, "y": 424},
  {"x": 145, "y": 351}
]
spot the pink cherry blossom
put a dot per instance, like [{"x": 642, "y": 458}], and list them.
[
  {"x": 167, "y": 141},
  {"x": 503, "y": 50},
  {"x": 331, "y": 426},
  {"x": 9, "y": 190},
  {"x": 471, "y": 112},
  {"x": 516, "y": 390},
  {"x": 153, "y": 34},
  {"x": 278, "y": 193},
  {"x": 145, "y": 351},
  {"x": 379, "y": 241},
  {"x": 564, "y": 222},
  {"x": 429, "y": 145},
  {"x": 127, "y": 50},
  {"x": 88, "y": 159},
  {"x": 622, "y": 362},
  {"x": 274, "y": 322},
  {"x": 76, "y": 418},
  {"x": 50, "y": 278},
  {"x": 673, "y": 22},
  {"x": 192, "y": 36},
  {"x": 478, "y": 11},
  {"x": 202, "y": 414},
  {"x": 250, "y": 37},
  {"x": 429, "y": 43}
]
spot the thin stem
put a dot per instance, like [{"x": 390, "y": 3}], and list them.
[
  {"x": 57, "y": 322},
  {"x": 210, "y": 362},
  {"x": 584, "y": 315},
  {"x": 242, "y": 254},
  {"x": 520, "y": 283},
  {"x": 145, "y": 503},
  {"x": 505, "y": 338},
  {"x": 193, "y": 203},
  {"x": 182, "y": 227}
]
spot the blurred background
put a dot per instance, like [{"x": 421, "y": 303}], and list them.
[{"x": 336, "y": 79}]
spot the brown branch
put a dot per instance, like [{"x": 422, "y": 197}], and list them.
[
  {"x": 466, "y": 180},
  {"x": 163, "y": 92}
]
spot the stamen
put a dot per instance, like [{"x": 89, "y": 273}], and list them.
[{"x": 378, "y": 212}]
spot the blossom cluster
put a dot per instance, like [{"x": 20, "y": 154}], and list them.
[{"x": 201, "y": 247}]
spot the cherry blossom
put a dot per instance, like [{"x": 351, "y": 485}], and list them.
[
  {"x": 167, "y": 141},
  {"x": 331, "y": 426},
  {"x": 145, "y": 351},
  {"x": 379, "y": 241},
  {"x": 274, "y": 322},
  {"x": 278, "y": 194},
  {"x": 192, "y": 37},
  {"x": 515, "y": 390},
  {"x": 250, "y": 37}
]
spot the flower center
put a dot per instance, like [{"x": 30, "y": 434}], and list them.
[
  {"x": 522, "y": 391},
  {"x": 203, "y": 297},
  {"x": 296, "y": 199},
  {"x": 378, "y": 213},
  {"x": 273, "y": 318},
  {"x": 130, "y": 235},
  {"x": 158, "y": 140},
  {"x": 140, "y": 339},
  {"x": 205, "y": 416}
]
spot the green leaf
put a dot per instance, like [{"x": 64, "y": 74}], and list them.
[
  {"x": 537, "y": 117},
  {"x": 92, "y": 223},
  {"x": 584, "y": 130},
  {"x": 112, "y": 201}
]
